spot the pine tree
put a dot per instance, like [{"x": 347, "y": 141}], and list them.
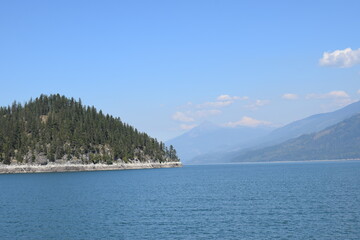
[{"x": 56, "y": 126}]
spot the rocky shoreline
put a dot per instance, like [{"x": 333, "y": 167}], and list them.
[{"x": 68, "y": 167}]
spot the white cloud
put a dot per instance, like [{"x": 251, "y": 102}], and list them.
[
  {"x": 216, "y": 104},
  {"x": 290, "y": 96},
  {"x": 258, "y": 103},
  {"x": 248, "y": 122},
  {"x": 226, "y": 97},
  {"x": 341, "y": 58},
  {"x": 187, "y": 126},
  {"x": 193, "y": 112},
  {"x": 332, "y": 94},
  {"x": 182, "y": 117},
  {"x": 337, "y": 99},
  {"x": 338, "y": 94},
  {"x": 222, "y": 101}
]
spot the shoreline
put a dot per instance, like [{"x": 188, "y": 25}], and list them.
[
  {"x": 11, "y": 169},
  {"x": 265, "y": 162}
]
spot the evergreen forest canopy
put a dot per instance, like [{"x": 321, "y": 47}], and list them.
[{"x": 58, "y": 129}]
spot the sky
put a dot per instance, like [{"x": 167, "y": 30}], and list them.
[{"x": 167, "y": 66}]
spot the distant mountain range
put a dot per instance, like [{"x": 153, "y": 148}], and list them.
[
  {"x": 311, "y": 124},
  {"x": 210, "y": 138},
  {"x": 340, "y": 141},
  {"x": 212, "y": 147}
]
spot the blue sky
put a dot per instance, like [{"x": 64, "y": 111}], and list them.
[{"x": 167, "y": 66}]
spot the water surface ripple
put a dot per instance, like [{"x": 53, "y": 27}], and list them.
[{"x": 244, "y": 201}]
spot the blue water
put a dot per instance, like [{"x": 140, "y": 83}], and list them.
[{"x": 245, "y": 201}]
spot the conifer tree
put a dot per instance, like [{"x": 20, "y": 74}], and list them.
[{"x": 57, "y": 127}]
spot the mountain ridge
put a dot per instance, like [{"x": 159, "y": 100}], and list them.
[
  {"x": 209, "y": 137},
  {"x": 313, "y": 123},
  {"x": 339, "y": 141},
  {"x": 308, "y": 125}
]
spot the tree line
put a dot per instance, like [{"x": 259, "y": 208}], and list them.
[{"x": 58, "y": 128}]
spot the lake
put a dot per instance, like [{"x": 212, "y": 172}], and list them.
[{"x": 313, "y": 200}]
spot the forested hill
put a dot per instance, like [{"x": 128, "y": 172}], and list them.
[{"x": 58, "y": 129}]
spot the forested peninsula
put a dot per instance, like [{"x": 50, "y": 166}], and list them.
[{"x": 54, "y": 133}]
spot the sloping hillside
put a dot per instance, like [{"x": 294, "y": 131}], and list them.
[
  {"x": 340, "y": 141},
  {"x": 208, "y": 138},
  {"x": 311, "y": 124},
  {"x": 55, "y": 128}
]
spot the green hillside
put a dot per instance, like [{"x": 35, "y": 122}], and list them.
[
  {"x": 57, "y": 129},
  {"x": 340, "y": 141}
]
